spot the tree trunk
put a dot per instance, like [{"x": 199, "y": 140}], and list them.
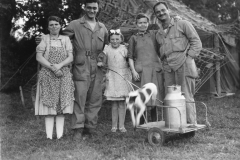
[
  {"x": 8, "y": 11},
  {"x": 1, "y": 54}
]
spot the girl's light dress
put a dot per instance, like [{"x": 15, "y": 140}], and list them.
[{"x": 116, "y": 87}]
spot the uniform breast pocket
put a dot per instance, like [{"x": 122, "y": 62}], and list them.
[
  {"x": 100, "y": 41},
  {"x": 177, "y": 43}
]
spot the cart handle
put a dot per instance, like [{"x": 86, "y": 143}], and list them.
[{"x": 206, "y": 114}]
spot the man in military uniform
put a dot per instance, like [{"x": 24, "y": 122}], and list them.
[
  {"x": 179, "y": 45},
  {"x": 88, "y": 38}
]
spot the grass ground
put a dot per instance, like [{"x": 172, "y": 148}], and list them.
[{"x": 23, "y": 136}]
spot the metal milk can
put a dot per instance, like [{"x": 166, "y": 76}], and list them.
[{"x": 174, "y": 98}]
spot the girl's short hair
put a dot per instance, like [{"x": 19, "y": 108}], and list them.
[
  {"x": 115, "y": 32},
  {"x": 142, "y": 15}
]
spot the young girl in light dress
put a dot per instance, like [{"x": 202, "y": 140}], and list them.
[{"x": 115, "y": 57}]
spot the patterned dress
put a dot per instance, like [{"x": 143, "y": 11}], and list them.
[
  {"x": 56, "y": 93},
  {"x": 116, "y": 86}
]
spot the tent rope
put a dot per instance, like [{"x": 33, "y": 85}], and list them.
[
  {"x": 30, "y": 79},
  {"x": 18, "y": 70}
]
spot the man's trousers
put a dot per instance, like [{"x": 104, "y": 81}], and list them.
[{"x": 188, "y": 88}]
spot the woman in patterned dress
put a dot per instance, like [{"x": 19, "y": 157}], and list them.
[
  {"x": 116, "y": 87},
  {"x": 55, "y": 90}
]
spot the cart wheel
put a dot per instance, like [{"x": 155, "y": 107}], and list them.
[{"x": 156, "y": 137}]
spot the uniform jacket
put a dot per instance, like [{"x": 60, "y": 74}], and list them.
[
  {"x": 85, "y": 41},
  {"x": 181, "y": 39}
]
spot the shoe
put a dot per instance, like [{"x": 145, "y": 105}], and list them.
[
  {"x": 123, "y": 130},
  {"x": 114, "y": 129},
  {"x": 60, "y": 137},
  {"x": 192, "y": 126},
  {"x": 77, "y": 135},
  {"x": 89, "y": 132}
]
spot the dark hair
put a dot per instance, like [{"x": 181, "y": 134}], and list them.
[
  {"x": 110, "y": 34},
  {"x": 57, "y": 19},
  {"x": 142, "y": 15},
  {"x": 91, "y": 1},
  {"x": 158, "y": 3}
]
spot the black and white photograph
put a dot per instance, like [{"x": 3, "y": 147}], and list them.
[{"x": 119, "y": 79}]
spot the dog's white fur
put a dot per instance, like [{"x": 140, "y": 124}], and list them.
[{"x": 134, "y": 101}]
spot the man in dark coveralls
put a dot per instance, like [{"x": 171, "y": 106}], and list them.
[{"x": 88, "y": 38}]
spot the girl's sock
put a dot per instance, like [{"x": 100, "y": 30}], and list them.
[
  {"x": 49, "y": 123},
  {"x": 59, "y": 126}
]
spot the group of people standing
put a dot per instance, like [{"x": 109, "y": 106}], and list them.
[{"x": 157, "y": 56}]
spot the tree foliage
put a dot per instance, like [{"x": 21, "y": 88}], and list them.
[
  {"x": 36, "y": 13},
  {"x": 218, "y": 11},
  {"x": 7, "y": 12}
]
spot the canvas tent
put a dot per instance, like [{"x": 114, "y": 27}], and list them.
[{"x": 219, "y": 59}]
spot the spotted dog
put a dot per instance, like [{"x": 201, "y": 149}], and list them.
[{"x": 137, "y": 100}]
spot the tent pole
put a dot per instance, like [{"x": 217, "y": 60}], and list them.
[
  {"x": 217, "y": 75},
  {"x": 218, "y": 79},
  {"x": 22, "y": 97}
]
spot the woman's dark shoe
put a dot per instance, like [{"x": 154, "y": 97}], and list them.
[{"x": 89, "y": 132}]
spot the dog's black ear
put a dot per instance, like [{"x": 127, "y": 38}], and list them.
[
  {"x": 132, "y": 99},
  {"x": 149, "y": 91},
  {"x": 142, "y": 96}
]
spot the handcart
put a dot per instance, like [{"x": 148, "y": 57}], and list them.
[{"x": 158, "y": 131}]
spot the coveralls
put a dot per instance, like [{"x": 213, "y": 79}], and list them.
[
  {"x": 87, "y": 77},
  {"x": 179, "y": 41},
  {"x": 143, "y": 49}
]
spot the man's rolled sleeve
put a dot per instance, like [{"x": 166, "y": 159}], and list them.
[
  {"x": 131, "y": 48},
  {"x": 102, "y": 57},
  {"x": 194, "y": 40}
]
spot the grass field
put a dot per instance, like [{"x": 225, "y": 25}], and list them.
[{"x": 23, "y": 136}]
